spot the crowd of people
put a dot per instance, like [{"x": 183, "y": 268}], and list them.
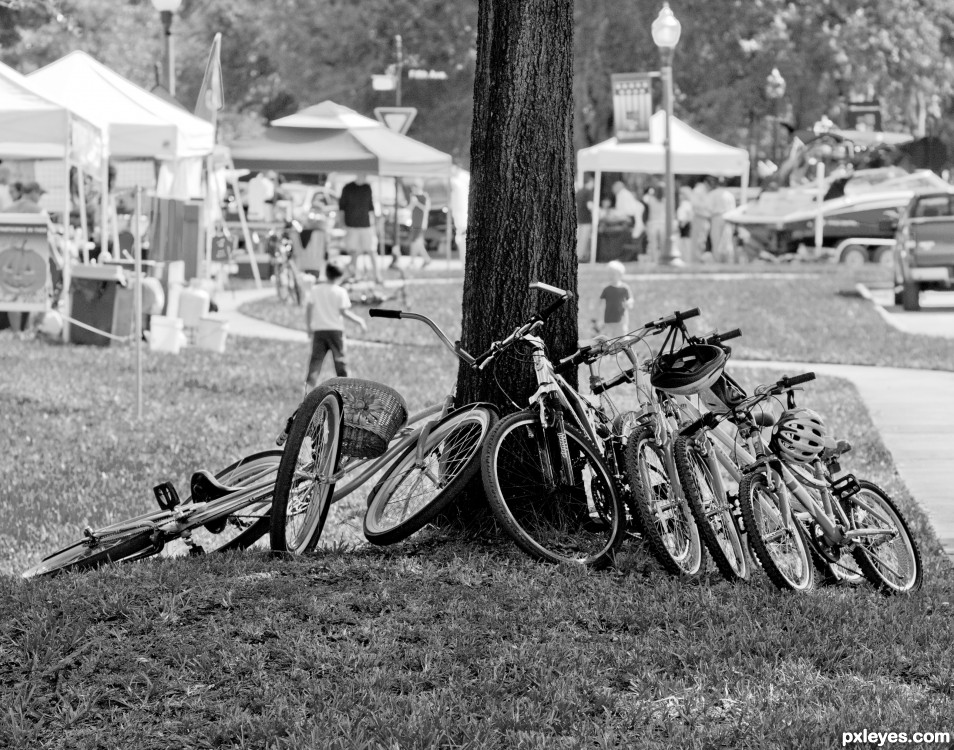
[{"x": 701, "y": 204}]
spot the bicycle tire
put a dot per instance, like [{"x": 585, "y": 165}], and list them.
[
  {"x": 241, "y": 528},
  {"x": 663, "y": 515},
  {"x": 582, "y": 524},
  {"x": 713, "y": 514},
  {"x": 450, "y": 459},
  {"x": 302, "y": 498},
  {"x": 906, "y": 552},
  {"x": 81, "y": 555},
  {"x": 782, "y": 550}
]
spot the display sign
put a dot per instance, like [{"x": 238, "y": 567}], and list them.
[
  {"x": 398, "y": 119},
  {"x": 25, "y": 281},
  {"x": 632, "y": 105}
]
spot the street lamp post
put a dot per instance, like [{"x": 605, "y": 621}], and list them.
[
  {"x": 666, "y": 30},
  {"x": 775, "y": 90},
  {"x": 166, "y": 10}
]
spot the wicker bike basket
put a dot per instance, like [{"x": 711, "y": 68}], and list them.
[{"x": 373, "y": 413}]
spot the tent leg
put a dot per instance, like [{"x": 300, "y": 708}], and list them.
[
  {"x": 596, "y": 215},
  {"x": 243, "y": 221}
]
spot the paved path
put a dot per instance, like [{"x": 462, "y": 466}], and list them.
[
  {"x": 912, "y": 409},
  {"x": 935, "y": 318}
]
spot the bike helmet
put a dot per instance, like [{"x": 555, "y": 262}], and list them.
[
  {"x": 688, "y": 370},
  {"x": 799, "y": 435},
  {"x": 723, "y": 395}
]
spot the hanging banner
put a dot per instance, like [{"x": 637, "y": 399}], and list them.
[
  {"x": 25, "y": 282},
  {"x": 632, "y": 105}
]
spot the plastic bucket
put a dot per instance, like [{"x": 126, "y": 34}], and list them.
[
  {"x": 193, "y": 306},
  {"x": 165, "y": 334},
  {"x": 212, "y": 334}
]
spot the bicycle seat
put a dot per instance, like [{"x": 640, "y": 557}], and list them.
[{"x": 206, "y": 488}]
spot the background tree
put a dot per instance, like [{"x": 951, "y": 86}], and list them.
[{"x": 521, "y": 225}]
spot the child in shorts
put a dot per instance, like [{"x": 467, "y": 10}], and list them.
[
  {"x": 328, "y": 306},
  {"x": 617, "y": 299}
]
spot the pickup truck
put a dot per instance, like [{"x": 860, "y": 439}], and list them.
[{"x": 924, "y": 247}]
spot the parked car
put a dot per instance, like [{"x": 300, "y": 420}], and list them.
[{"x": 924, "y": 247}]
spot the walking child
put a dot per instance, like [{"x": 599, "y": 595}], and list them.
[
  {"x": 328, "y": 306},
  {"x": 618, "y": 300}
]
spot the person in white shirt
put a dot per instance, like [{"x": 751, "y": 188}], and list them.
[
  {"x": 328, "y": 306},
  {"x": 721, "y": 234},
  {"x": 628, "y": 205}
]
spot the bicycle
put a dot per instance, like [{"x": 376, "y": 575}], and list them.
[
  {"x": 545, "y": 478},
  {"x": 794, "y": 508},
  {"x": 284, "y": 271},
  {"x": 426, "y": 461},
  {"x": 216, "y": 517},
  {"x": 639, "y": 452},
  {"x": 688, "y": 367}
]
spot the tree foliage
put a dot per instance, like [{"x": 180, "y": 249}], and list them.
[{"x": 283, "y": 54}]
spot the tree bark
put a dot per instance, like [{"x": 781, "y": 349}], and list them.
[{"x": 522, "y": 222}]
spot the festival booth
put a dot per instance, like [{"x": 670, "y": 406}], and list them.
[
  {"x": 692, "y": 153},
  {"x": 41, "y": 139},
  {"x": 329, "y": 137},
  {"x": 142, "y": 126}
]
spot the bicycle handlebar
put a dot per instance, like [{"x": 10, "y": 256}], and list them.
[
  {"x": 453, "y": 346},
  {"x": 674, "y": 319},
  {"x": 380, "y": 312}
]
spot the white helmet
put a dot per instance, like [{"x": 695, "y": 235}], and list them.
[{"x": 799, "y": 435}]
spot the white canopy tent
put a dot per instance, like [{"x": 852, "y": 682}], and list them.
[
  {"x": 692, "y": 153},
  {"x": 34, "y": 127}
]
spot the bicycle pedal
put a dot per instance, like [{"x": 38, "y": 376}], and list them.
[
  {"x": 166, "y": 495},
  {"x": 196, "y": 551},
  {"x": 845, "y": 487}
]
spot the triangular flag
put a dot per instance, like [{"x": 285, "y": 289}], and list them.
[{"x": 211, "y": 98}]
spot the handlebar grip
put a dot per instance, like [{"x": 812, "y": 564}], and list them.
[
  {"x": 686, "y": 314},
  {"x": 547, "y": 311},
  {"x": 380, "y": 312},
  {"x": 733, "y": 334},
  {"x": 797, "y": 379},
  {"x": 627, "y": 376}
]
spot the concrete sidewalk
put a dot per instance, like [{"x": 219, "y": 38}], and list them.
[
  {"x": 912, "y": 409},
  {"x": 914, "y": 413}
]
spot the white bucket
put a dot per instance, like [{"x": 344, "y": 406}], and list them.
[
  {"x": 212, "y": 334},
  {"x": 172, "y": 302},
  {"x": 193, "y": 306},
  {"x": 165, "y": 334}
]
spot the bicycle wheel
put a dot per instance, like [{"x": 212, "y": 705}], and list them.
[
  {"x": 662, "y": 513},
  {"x": 712, "y": 510},
  {"x": 778, "y": 542},
  {"x": 834, "y": 566},
  {"x": 550, "y": 519},
  {"x": 415, "y": 489},
  {"x": 889, "y": 557},
  {"x": 242, "y": 528},
  {"x": 303, "y": 486},
  {"x": 110, "y": 547}
]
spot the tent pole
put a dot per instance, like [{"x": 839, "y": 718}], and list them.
[
  {"x": 249, "y": 247},
  {"x": 67, "y": 232},
  {"x": 596, "y": 214},
  {"x": 448, "y": 234},
  {"x": 84, "y": 225},
  {"x": 210, "y": 197},
  {"x": 104, "y": 205},
  {"x": 137, "y": 308}
]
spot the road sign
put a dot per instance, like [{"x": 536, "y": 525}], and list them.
[{"x": 398, "y": 119}]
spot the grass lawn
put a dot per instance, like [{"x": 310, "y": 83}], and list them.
[
  {"x": 436, "y": 642},
  {"x": 806, "y": 313}
]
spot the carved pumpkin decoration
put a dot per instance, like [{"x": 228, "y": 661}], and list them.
[{"x": 22, "y": 271}]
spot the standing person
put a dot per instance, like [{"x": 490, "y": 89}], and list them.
[
  {"x": 721, "y": 201},
  {"x": 684, "y": 221},
  {"x": 584, "y": 219},
  {"x": 617, "y": 300},
  {"x": 6, "y": 197},
  {"x": 655, "y": 223},
  {"x": 629, "y": 206},
  {"x": 358, "y": 211},
  {"x": 328, "y": 306},
  {"x": 699, "y": 233},
  {"x": 420, "y": 205}
]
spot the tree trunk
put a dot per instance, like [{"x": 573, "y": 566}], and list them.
[{"x": 522, "y": 223}]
